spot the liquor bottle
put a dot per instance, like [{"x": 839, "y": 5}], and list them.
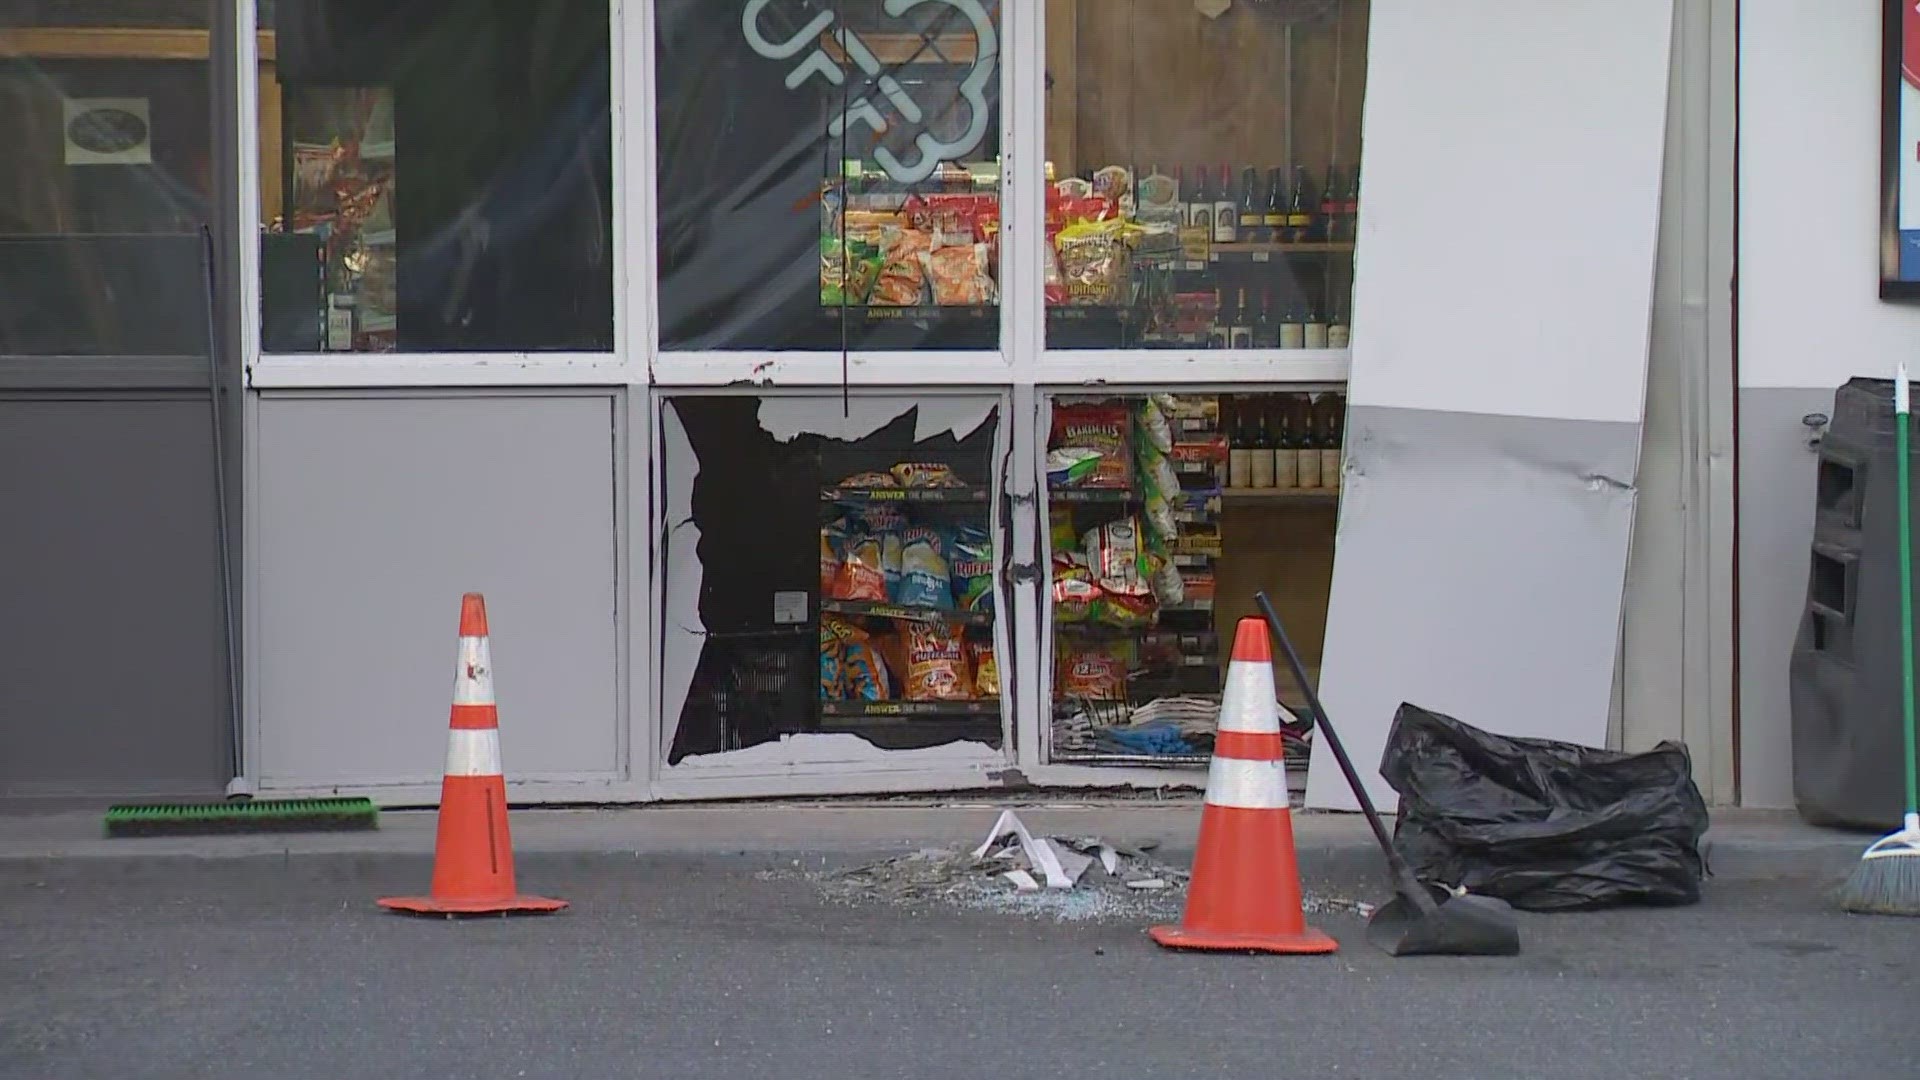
[
  {"x": 1240, "y": 332},
  {"x": 1275, "y": 218},
  {"x": 1331, "y": 197},
  {"x": 1314, "y": 335},
  {"x": 1339, "y": 334},
  {"x": 1253, "y": 213},
  {"x": 1293, "y": 326},
  {"x": 1200, "y": 204},
  {"x": 1300, "y": 207},
  {"x": 1226, "y": 212},
  {"x": 1266, "y": 329},
  {"x": 1286, "y": 448},
  {"x": 1309, "y": 441},
  {"x": 1331, "y": 429},
  {"x": 1217, "y": 334},
  {"x": 1350, "y": 205},
  {"x": 1260, "y": 475},
  {"x": 1239, "y": 443}
]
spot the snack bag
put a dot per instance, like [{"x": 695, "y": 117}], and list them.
[
  {"x": 1071, "y": 466},
  {"x": 833, "y": 675},
  {"x": 1073, "y": 592},
  {"x": 892, "y": 564},
  {"x": 1126, "y": 612},
  {"x": 830, "y": 541},
  {"x": 924, "y": 577},
  {"x": 1093, "y": 674},
  {"x": 880, "y": 518},
  {"x": 936, "y": 664},
  {"x": 986, "y": 670},
  {"x": 1116, "y": 558},
  {"x": 1065, "y": 538},
  {"x": 862, "y": 574},
  {"x": 1103, "y": 427},
  {"x": 971, "y": 565},
  {"x": 959, "y": 275},
  {"x": 864, "y": 481},
  {"x": 925, "y": 474},
  {"x": 864, "y": 675},
  {"x": 902, "y": 279}
]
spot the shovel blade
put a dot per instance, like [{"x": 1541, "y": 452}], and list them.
[{"x": 1462, "y": 926}]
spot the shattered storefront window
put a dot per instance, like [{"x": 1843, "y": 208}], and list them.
[
  {"x": 831, "y": 576},
  {"x": 1166, "y": 513},
  {"x": 828, "y": 174}
]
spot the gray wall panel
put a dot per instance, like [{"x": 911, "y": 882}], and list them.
[
  {"x": 111, "y": 663},
  {"x": 374, "y": 515},
  {"x": 1776, "y": 529}
]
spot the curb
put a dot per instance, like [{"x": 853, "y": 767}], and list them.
[{"x": 1343, "y": 858}]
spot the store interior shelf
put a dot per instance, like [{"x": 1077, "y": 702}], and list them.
[
  {"x": 912, "y": 495},
  {"x": 1293, "y": 494},
  {"x": 1305, "y": 247},
  {"x": 877, "y": 610},
  {"x": 901, "y": 710}
]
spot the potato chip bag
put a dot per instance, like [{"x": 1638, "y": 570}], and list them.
[{"x": 936, "y": 664}]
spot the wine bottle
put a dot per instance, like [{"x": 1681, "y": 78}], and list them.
[
  {"x": 1339, "y": 334},
  {"x": 1309, "y": 442},
  {"x": 1330, "y": 204},
  {"x": 1286, "y": 450},
  {"x": 1262, "y": 458},
  {"x": 1239, "y": 443},
  {"x": 1330, "y": 439},
  {"x": 1275, "y": 218},
  {"x": 1293, "y": 326},
  {"x": 1200, "y": 204},
  {"x": 1300, "y": 207},
  {"x": 1217, "y": 336},
  {"x": 1314, "y": 335},
  {"x": 1240, "y": 331},
  {"x": 1266, "y": 329},
  {"x": 1253, "y": 218},
  {"x": 1226, "y": 212}
]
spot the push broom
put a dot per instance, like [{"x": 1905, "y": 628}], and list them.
[{"x": 1887, "y": 881}]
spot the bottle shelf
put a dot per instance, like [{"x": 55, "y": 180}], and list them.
[
  {"x": 1292, "y": 494},
  {"x": 1092, "y": 495},
  {"x": 876, "y": 610}
]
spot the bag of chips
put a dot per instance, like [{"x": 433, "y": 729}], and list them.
[
  {"x": 1103, "y": 427},
  {"x": 866, "y": 481},
  {"x": 971, "y": 565},
  {"x": 862, "y": 574},
  {"x": 1126, "y": 612},
  {"x": 1093, "y": 674},
  {"x": 959, "y": 274},
  {"x": 863, "y": 673},
  {"x": 924, "y": 578},
  {"x": 1073, "y": 592},
  {"x": 879, "y": 518},
  {"x": 831, "y": 541},
  {"x": 986, "y": 670},
  {"x": 1116, "y": 558},
  {"x": 926, "y": 474},
  {"x": 892, "y": 564},
  {"x": 936, "y": 664},
  {"x": 833, "y": 675}
]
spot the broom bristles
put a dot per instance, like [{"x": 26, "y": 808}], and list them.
[{"x": 1887, "y": 880}]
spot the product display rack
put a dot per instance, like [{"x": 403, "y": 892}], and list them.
[{"x": 899, "y": 720}]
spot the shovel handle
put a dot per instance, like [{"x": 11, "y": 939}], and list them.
[{"x": 1403, "y": 878}]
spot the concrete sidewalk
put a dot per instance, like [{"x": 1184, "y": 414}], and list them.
[{"x": 1742, "y": 844}]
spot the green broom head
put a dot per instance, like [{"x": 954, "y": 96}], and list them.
[{"x": 1887, "y": 881}]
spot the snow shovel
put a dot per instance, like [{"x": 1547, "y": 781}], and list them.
[{"x": 1420, "y": 920}]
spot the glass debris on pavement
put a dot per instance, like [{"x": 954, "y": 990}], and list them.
[{"x": 1068, "y": 879}]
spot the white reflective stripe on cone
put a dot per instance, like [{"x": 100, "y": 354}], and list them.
[
  {"x": 1247, "y": 785},
  {"x": 473, "y": 673},
  {"x": 473, "y": 752},
  {"x": 1248, "y": 703}
]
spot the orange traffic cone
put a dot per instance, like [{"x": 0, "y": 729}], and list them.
[
  {"x": 1245, "y": 893},
  {"x": 472, "y": 853}
]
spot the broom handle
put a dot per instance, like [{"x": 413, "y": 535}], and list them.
[{"x": 1902, "y": 422}]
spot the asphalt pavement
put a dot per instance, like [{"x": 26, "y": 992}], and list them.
[{"x": 688, "y": 965}]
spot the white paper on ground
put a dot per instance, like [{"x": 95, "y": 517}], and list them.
[{"x": 1041, "y": 855}]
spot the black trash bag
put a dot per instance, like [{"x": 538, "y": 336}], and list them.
[{"x": 1544, "y": 825}]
